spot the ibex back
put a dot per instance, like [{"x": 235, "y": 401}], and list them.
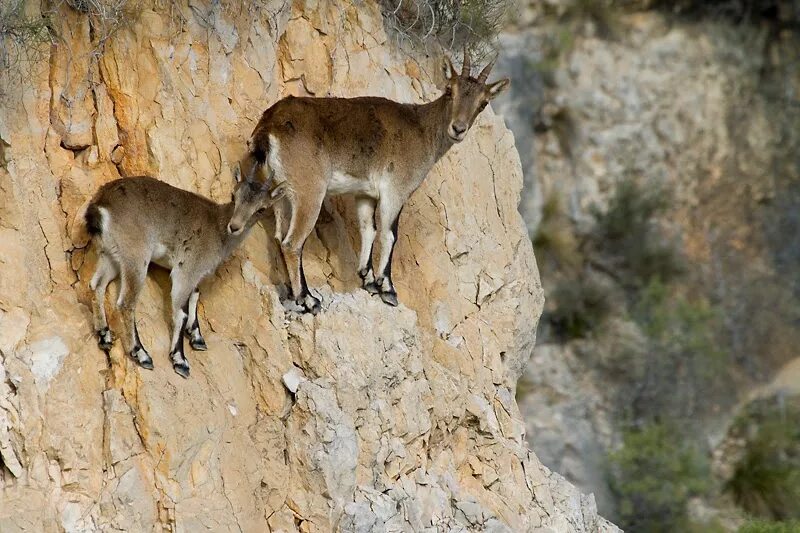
[
  {"x": 136, "y": 221},
  {"x": 376, "y": 149}
]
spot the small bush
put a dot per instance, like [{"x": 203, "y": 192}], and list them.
[
  {"x": 626, "y": 234},
  {"x": 683, "y": 365},
  {"x": 766, "y": 526},
  {"x": 580, "y": 306},
  {"x": 20, "y": 35},
  {"x": 554, "y": 239},
  {"x": 451, "y": 22},
  {"x": 654, "y": 475},
  {"x": 766, "y": 482}
]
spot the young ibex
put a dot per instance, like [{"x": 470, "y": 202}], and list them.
[
  {"x": 136, "y": 221},
  {"x": 376, "y": 149}
]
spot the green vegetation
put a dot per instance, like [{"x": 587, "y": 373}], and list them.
[
  {"x": 581, "y": 306},
  {"x": 451, "y": 23},
  {"x": 554, "y": 240},
  {"x": 627, "y": 237},
  {"x": 766, "y": 481},
  {"x": 766, "y": 526},
  {"x": 653, "y": 475},
  {"x": 21, "y": 35}
]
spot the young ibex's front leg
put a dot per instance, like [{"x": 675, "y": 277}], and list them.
[
  {"x": 182, "y": 290},
  {"x": 192, "y": 329},
  {"x": 389, "y": 210}
]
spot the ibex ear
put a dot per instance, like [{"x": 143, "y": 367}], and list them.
[
  {"x": 447, "y": 68},
  {"x": 498, "y": 87},
  {"x": 237, "y": 173}
]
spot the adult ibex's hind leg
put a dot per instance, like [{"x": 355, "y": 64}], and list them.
[
  {"x": 107, "y": 271},
  {"x": 305, "y": 210},
  {"x": 389, "y": 210},
  {"x": 192, "y": 329},
  {"x": 132, "y": 281}
]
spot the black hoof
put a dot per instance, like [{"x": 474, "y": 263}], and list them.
[
  {"x": 104, "y": 339},
  {"x": 198, "y": 345},
  {"x": 389, "y": 298},
  {"x": 372, "y": 288},
  {"x": 182, "y": 369},
  {"x": 314, "y": 308},
  {"x": 142, "y": 358},
  {"x": 309, "y": 304}
]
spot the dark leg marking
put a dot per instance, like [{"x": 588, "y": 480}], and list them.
[
  {"x": 104, "y": 339},
  {"x": 177, "y": 356},
  {"x": 306, "y": 300},
  {"x": 196, "y": 340},
  {"x": 388, "y": 294},
  {"x": 139, "y": 354}
]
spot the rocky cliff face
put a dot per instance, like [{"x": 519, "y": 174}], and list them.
[
  {"x": 366, "y": 418},
  {"x": 706, "y": 108}
]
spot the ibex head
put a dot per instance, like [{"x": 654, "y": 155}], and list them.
[
  {"x": 467, "y": 96},
  {"x": 251, "y": 198}
]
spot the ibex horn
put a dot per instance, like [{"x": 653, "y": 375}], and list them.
[
  {"x": 465, "y": 69},
  {"x": 485, "y": 72}
]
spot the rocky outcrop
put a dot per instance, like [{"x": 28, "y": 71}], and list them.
[
  {"x": 366, "y": 417},
  {"x": 705, "y": 108}
]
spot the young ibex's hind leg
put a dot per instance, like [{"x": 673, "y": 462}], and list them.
[
  {"x": 132, "y": 282},
  {"x": 182, "y": 290},
  {"x": 365, "y": 208},
  {"x": 305, "y": 210},
  {"x": 389, "y": 210},
  {"x": 192, "y": 329},
  {"x": 106, "y": 272}
]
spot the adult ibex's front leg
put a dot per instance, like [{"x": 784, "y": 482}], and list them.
[
  {"x": 389, "y": 209},
  {"x": 305, "y": 210}
]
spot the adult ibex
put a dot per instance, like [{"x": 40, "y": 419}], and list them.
[
  {"x": 376, "y": 149},
  {"x": 136, "y": 221}
]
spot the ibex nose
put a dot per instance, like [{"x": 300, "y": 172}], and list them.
[
  {"x": 233, "y": 229},
  {"x": 459, "y": 128}
]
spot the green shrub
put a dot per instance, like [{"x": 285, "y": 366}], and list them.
[
  {"x": 627, "y": 235},
  {"x": 681, "y": 374},
  {"x": 766, "y": 481},
  {"x": 579, "y": 307},
  {"x": 766, "y": 526},
  {"x": 554, "y": 240},
  {"x": 21, "y": 35},
  {"x": 450, "y": 22},
  {"x": 653, "y": 476}
]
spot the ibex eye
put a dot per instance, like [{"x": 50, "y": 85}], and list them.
[{"x": 448, "y": 91}]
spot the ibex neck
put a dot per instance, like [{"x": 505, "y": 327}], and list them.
[{"x": 435, "y": 120}]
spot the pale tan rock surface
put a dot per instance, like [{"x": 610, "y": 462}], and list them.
[{"x": 366, "y": 417}]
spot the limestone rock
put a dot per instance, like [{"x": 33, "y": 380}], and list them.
[{"x": 389, "y": 419}]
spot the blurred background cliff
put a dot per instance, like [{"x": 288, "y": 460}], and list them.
[{"x": 660, "y": 143}]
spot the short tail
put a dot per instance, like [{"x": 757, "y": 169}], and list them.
[
  {"x": 86, "y": 224},
  {"x": 254, "y": 160},
  {"x": 94, "y": 220}
]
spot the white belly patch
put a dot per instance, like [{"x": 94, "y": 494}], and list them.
[{"x": 342, "y": 183}]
